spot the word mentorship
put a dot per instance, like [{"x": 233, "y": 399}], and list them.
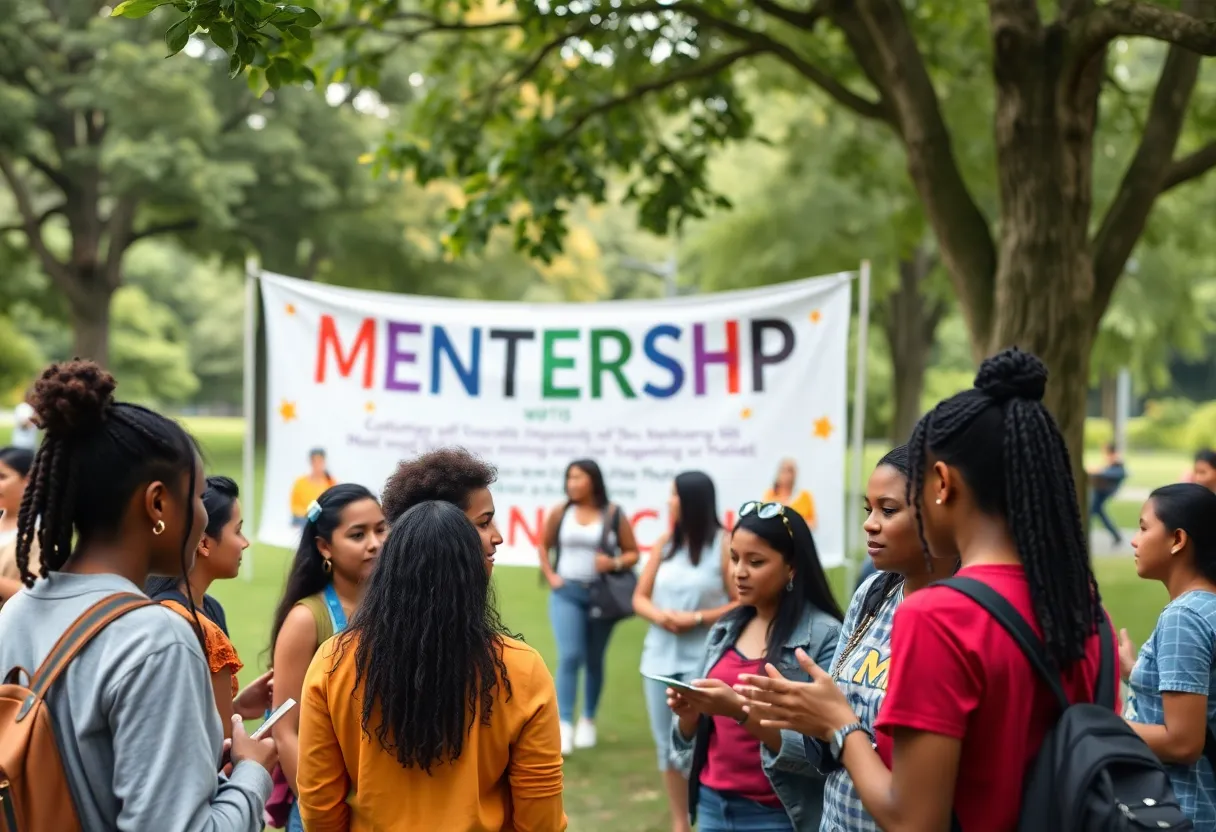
[{"x": 408, "y": 357}]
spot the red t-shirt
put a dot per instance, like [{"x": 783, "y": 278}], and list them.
[
  {"x": 956, "y": 672},
  {"x": 734, "y": 763}
]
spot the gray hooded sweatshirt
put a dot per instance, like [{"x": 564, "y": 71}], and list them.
[{"x": 134, "y": 714}]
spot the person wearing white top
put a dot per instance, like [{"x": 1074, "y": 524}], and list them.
[
  {"x": 25, "y": 432},
  {"x": 684, "y": 589},
  {"x": 574, "y": 531}
]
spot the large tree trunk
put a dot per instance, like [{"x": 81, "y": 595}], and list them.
[
  {"x": 89, "y": 308},
  {"x": 1044, "y": 132},
  {"x": 910, "y": 323}
]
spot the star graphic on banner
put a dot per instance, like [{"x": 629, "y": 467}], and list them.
[
  {"x": 823, "y": 428},
  {"x": 291, "y": 309},
  {"x": 287, "y": 410},
  {"x": 816, "y": 316},
  {"x": 746, "y": 413},
  {"x": 370, "y": 407}
]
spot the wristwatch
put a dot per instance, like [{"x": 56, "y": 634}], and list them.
[
  {"x": 616, "y": 564},
  {"x": 700, "y": 619},
  {"x": 837, "y": 744}
]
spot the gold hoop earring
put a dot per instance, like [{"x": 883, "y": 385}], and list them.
[
  {"x": 327, "y": 565},
  {"x": 159, "y": 528}
]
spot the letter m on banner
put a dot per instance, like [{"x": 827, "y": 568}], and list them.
[{"x": 365, "y": 341}]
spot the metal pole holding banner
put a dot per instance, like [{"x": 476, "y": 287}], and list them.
[
  {"x": 249, "y": 406},
  {"x": 855, "y": 488}
]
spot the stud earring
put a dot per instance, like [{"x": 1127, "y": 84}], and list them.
[
  {"x": 159, "y": 528},
  {"x": 938, "y": 501}
]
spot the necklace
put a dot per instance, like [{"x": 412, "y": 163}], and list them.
[{"x": 859, "y": 632}]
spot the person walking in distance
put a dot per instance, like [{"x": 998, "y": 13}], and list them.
[
  {"x": 576, "y": 531},
  {"x": 114, "y": 497}
]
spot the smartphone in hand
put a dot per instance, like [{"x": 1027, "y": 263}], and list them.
[{"x": 264, "y": 730}]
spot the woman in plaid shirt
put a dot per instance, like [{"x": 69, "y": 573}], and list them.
[{"x": 864, "y": 650}]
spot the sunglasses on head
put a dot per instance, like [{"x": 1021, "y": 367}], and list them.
[{"x": 766, "y": 511}]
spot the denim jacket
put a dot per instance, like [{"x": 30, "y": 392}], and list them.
[{"x": 795, "y": 781}]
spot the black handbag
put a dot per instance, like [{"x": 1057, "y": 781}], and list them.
[{"x": 611, "y": 595}]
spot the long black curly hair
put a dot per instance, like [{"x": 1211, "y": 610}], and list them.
[
  {"x": 428, "y": 638},
  {"x": 1010, "y": 452}
]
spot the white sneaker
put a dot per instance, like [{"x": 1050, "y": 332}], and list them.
[
  {"x": 567, "y": 738},
  {"x": 584, "y": 734}
]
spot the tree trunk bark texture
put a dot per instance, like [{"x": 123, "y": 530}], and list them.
[
  {"x": 89, "y": 308},
  {"x": 1044, "y": 282},
  {"x": 910, "y": 323}
]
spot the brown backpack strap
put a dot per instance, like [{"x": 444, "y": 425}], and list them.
[{"x": 76, "y": 638}]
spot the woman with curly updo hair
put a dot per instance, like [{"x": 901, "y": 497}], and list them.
[{"x": 425, "y": 713}]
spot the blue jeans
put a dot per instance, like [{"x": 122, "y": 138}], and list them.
[
  {"x": 581, "y": 644},
  {"x": 294, "y": 824},
  {"x": 1097, "y": 508},
  {"x": 718, "y": 812}
]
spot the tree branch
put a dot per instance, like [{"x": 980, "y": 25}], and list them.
[
  {"x": 42, "y": 218},
  {"x": 31, "y": 222},
  {"x": 1089, "y": 33},
  {"x": 797, "y": 18},
  {"x": 880, "y": 38},
  {"x": 57, "y": 177},
  {"x": 1189, "y": 167},
  {"x": 164, "y": 228},
  {"x": 838, "y": 91},
  {"x": 693, "y": 73},
  {"x": 1146, "y": 173}
]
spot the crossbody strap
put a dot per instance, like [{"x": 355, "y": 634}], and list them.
[
  {"x": 1014, "y": 624},
  {"x": 610, "y": 526},
  {"x": 76, "y": 638}
]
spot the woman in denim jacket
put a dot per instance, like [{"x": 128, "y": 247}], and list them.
[{"x": 785, "y": 605}]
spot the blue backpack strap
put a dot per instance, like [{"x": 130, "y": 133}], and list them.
[{"x": 1014, "y": 624}]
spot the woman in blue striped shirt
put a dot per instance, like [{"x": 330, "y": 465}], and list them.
[{"x": 864, "y": 650}]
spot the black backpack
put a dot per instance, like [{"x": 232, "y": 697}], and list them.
[{"x": 1093, "y": 772}]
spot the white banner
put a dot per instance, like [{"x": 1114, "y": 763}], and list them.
[{"x": 730, "y": 384}]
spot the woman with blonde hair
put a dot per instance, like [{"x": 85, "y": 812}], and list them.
[{"x": 785, "y": 491}]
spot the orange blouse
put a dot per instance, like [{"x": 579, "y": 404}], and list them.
[
  {"x": 220, "y": 652},
  {"x": 508, "y": 778},
  {"x": 801, "y": 502}
]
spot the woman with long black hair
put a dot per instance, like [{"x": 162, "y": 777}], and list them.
[
  {"x": 965, "y": 713},
  {"x": 588, "y": 536},
  {"x": 785, "y": 605},
  {"x": 113, "y": 498},
  {"x": 425, "y": 713},
  {"x": 683, "y": 591},
  {"x": 341, "y": 539}
]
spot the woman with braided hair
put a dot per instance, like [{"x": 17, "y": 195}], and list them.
[
  {"x": 965, "y": 713},
  {"x": 135, "y": 720}
]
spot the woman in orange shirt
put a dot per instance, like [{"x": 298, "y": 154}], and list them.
[
  {"x": 783, "y": 492},
  {"x": 424, "y": 713}
]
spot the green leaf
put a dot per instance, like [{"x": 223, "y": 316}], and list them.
[
  {"x": 295, "y": 10},
  {"x": 309, "y": 18},
  {"x": 272, "y": 76},
  {"x": 235, "y": 65},
  {"x": 178, "y": 35},
  {"x": 136, "y": 8},
  {"x": 221, "y": 35},
  {"x": 244, "y": 50},
  {"x": 299, "y": 32}
]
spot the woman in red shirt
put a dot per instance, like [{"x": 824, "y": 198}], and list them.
[{"x": 964, "y": 712}]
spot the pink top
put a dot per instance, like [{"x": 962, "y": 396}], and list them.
[{"x": 734, "y": 755}]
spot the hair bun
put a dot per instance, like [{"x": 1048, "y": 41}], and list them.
[
  {"x": 73, "y": 398},
  {"x": 1012, "y": 374}
]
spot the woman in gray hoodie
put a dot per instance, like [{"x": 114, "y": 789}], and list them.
[{"x": 138, "y": 734}]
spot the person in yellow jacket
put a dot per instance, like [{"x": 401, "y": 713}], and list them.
[
  {"x": 784, "y": 491},
  {"x": 310, "y": 486}
]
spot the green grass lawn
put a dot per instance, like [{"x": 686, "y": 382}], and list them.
[{"x": 615, "y": 786}]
